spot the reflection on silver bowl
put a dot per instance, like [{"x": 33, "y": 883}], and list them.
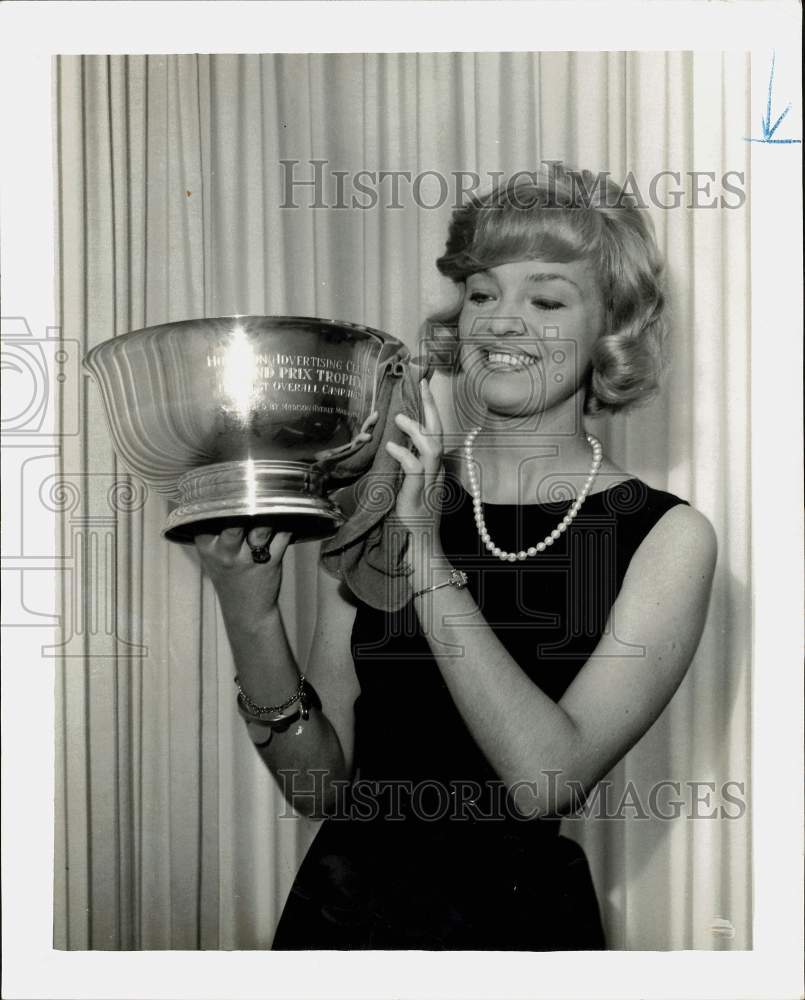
[{"x": 248, "y": 419}]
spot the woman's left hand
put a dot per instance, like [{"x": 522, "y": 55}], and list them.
[{"x": 418, "y": 504}]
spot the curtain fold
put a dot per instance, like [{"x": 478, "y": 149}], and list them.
[{"x": 175, "y": 180}]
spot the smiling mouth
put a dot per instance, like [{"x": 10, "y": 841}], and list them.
[{"x": 511, "y": 361}]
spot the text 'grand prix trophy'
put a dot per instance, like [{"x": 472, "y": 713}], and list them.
[{"x": 248, "y": 419}]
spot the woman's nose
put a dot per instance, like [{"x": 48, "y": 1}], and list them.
[{"x": 504, "y": 325}]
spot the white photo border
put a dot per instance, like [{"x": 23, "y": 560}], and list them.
[{"x": 30, "y": 34}]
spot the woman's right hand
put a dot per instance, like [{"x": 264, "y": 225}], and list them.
[{"x": 245, "y": 588}]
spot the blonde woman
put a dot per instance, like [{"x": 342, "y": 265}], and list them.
[{"x": 557, "y": 602}]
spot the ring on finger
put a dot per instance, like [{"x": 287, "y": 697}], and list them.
[{"x": 261, "y": 553}]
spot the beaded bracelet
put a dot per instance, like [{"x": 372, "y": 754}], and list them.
[
  {"x": 279, "y": 723},
  {"x": 258, "y": 710}
]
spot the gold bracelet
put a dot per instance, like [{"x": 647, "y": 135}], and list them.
[{"x": 458, "y": 579}]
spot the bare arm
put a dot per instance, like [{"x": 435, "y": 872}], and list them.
[
  {"x": 312, "y": 757},
  {"x": 544, "y": 752},
  {"x": 613, "y": 700}
]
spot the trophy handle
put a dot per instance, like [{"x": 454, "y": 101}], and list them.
[
  {"x": 336, "y": 454},
  {"x": 391, "y": 363}
]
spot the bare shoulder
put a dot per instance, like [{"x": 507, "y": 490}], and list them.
[
  {"x": 681, "y": 545},
  {"x": 683, "y": 526}
]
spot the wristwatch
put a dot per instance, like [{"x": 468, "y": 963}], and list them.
[{"x": 261, "y": 731}]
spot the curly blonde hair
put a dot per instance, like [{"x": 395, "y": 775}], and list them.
[{"x": 563, "y": 215}]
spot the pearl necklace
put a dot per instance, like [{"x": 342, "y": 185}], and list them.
[{"x": 550, "y": 538}]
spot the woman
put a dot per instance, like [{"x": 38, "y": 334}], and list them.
[{"x": 557, "y": 602}]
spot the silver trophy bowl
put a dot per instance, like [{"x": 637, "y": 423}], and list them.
[{"x": 248, "y": 419}]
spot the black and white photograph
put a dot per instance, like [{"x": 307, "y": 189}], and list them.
[{"x": 396, "y": 420}]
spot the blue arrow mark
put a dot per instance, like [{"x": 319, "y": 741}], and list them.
[{"x": 766, "y": 127}]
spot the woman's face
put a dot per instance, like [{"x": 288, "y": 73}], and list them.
[{"x": 526, "y": 333}]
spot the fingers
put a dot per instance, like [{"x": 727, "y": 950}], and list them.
[
  {"x": 412, "y": 466},
  {"x": 236, "y": 542},
  {"x": 410, "y": 493},
  {"x": 278, "y": 541},
  {"x": 427, "y": 438},
  {"x": 230, "y": 540},
  {"x": 259, "y": 536},
  {"x": 430, "y": 451},
  {"x": 433, "y": 422},
  {"x": 370, "y": 421},
  {"x": 221, "y": 548},
  {"x": 424, "y": 470}
]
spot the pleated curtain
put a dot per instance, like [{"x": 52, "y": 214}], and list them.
[{"x": 173, "y": 203}]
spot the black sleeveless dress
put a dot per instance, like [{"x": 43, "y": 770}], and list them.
[{"x": 424, "y": 851}]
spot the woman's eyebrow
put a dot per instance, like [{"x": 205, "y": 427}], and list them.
[{"x": 537, "y": 278}]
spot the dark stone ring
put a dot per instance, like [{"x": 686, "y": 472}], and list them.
[{"x": 260, "y": 553}]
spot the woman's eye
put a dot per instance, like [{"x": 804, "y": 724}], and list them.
[
  {"x": 547, "y": 304},
  {"x": 479, "y": 297}
]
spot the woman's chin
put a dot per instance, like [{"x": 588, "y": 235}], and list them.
[
  {"x": 506, "y": 395},
  {"x": 513, "y": 402}
]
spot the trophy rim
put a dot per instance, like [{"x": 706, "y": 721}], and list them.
[{"x": 114, "y": 341}]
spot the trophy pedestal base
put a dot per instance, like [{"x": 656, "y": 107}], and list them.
[{"x": 289, "y": 496}]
